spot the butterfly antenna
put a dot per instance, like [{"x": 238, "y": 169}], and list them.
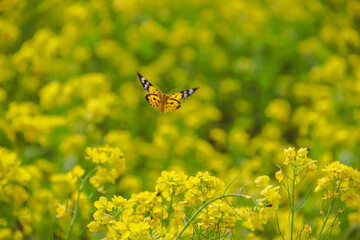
[
  {"x": 170, "y": 89},
  {"x": 159, "y": 87}
]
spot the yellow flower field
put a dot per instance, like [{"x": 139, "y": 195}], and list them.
[{"x": 268, "y": 147}]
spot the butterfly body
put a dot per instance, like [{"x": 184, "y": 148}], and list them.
[{"x": 161, "y": 101}]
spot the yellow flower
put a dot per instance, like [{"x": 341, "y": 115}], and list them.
[
  {"x": 170, "y": 184},
  {"x": 60, "y": 211},
  {"x": 279, "y": 175},
  {"x": 140, "y": 230},
  {"x": 262, "y": 181},
  {"x": 311, "y": 168},
  {"x": 322, "y": 182},
  {"x": 252, "y": 236},
  {"x": 351, "y": 198},
  {"x": 93, "y": 226},
  {"x": 302, "y": 152},
  {"x": 253, "y": 222},
  {"x": 26, "y": 118},
  {"x": 272, "y": 195},
  {"x": 111, "y": 164},
  {"x": 218, "y": 135},
  {"x": 278, "y": 109},
  {"x": 219, "y": 215},
  {"x": 5, "y": 233},
  {"x": 203, "y": 187},
  {"x": 307, "y": 229},
  {"x": 103, "y": 203},
  {"x": 289, "y": 155},
  {"x": 76, "y": 172}
]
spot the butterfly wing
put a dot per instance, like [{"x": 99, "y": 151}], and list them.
[
  {"x": 171, "y": 105},
  {"x": 154, "y": 100},
  {"x": 182, "y": 95},
  {"x": 147, "y": 85}
]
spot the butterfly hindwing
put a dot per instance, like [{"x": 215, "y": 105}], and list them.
[
  {"x": 154, "y": 100},
  {"x": 171, "y": 105}
]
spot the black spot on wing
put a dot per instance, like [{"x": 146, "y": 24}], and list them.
[
  {"x": 187, "y": 93},
  {"x": 145, "y": 83},
  {"x": 153, "y": 100},
  {"x": 173, "y": 104}
]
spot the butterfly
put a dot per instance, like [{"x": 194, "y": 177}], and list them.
[{"x": 161, "y": 101}]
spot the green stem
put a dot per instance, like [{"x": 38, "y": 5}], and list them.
[
  {"x": 332, "y": 227},
  {"x": 292, "y": 205},
  {"x": 77, "y": 202},
  {"x": 201, "y": 208},
  {"x": 326, "y": 218}
]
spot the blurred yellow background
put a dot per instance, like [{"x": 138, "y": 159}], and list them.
[{"x": 271, "y": 74}]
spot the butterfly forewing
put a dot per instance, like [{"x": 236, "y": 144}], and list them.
[
  {"x": 147, "y": 85},
  {"x": 183, "y": 95}
]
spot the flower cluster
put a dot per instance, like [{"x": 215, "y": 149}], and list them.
[
  {"x": 170, "y": 184},
  {"x": 25, "y": 118},
  {"x": 162, "y": 213},
  {"x": 342, "y": 182},
  {"x": 13, "y": 179},
  {"x": 299, "y": 163},
  {"x": 203, "y": 187},
  {"x": 110, "y": 164},
  {"x": 266, "y": 207}
]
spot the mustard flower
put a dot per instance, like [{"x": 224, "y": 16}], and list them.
[
  {"x": 8, "y": 166},
  {"x": 170, "y": 184},
  {"x": 252, "y": 236},
  {"x": 279, "y": 175},
  {"x": 60, "y": 211},
  {"x": 94, "y": 226},
  {"x": 339, "y": 180},
  {"x": 279, "y": 109},
  {"x": 217, "y": 216},
  {"x": 104, "y": 204},
  {"x": 307, "y": 229},
  {"x": 203, "y": 187},
  {"x": 289, "y": 155},
  {"x": 262, "y": 181},
  {"x": 102, "y": 216},
  {"x": 139, "y": 230},
  {"x": 321, "y": 184},
  {"x": 111, "y": 164},
  {"x": 26, "y": 118},
  {"x": 298, "y": 162},
  {"x": 252, "y": 221},
  {"x": 76, "y": 172},
  {"x": 148, "y": 202},
  {"x": 351, "y": 198},
  {"x": 272, "y": 195}
]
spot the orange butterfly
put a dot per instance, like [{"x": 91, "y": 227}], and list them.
[{"x": 161, "y": 101}]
